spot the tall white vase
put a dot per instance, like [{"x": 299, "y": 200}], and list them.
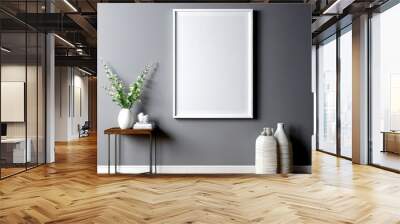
[
  {"x": 125, "y": 119},
  {"x": 284, "y": 150},
  {"x": 266, "y": 153}
]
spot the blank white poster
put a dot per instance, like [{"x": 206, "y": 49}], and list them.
[
  {"x": 213, "y": 63},
  {"x": 12, "y": 101}
]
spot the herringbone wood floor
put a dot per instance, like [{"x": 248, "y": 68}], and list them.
[{"x": 70, "y": 191}]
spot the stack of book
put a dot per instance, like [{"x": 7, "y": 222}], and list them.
[{"x": 139, "y": 125}]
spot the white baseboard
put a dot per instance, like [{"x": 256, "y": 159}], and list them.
[{"x": 103, "y": 169}]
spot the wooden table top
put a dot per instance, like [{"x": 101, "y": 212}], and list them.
[
  {"x": 391, "y": 132},
  {"x": 129, "y": 131}
]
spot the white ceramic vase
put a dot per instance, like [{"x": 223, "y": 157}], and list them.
[
  {"x": 266, "y": 153},
  {"x": 125, "y": 118},
  {"x": 284, "y": 149}
]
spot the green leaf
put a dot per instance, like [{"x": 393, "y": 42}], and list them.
[{"x": 125, "y": 96}]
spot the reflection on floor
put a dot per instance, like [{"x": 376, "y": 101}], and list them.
[
  {"x": 346, "y": 152},
  {"x": 71, "y": 191},
  {"x": 386, "y": 159},
  {"x": 10, "y": 169}
]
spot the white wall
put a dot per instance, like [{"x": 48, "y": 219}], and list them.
[
  {"x": 70, "y": 83},
  {"x": 79, "y": 117},
  {"x": 61, "y": 103}
]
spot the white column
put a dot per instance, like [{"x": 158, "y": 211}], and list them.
[
  {"x": 360, "y": 90},
  {"x": 50, "y": 110}
]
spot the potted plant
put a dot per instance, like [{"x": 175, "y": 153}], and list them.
[{"x": 125, "y": 96}]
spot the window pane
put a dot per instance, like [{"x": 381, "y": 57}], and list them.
[
  {"x": 385, "y": 87},
  {"x": 346, "y": 94},
  {"x": 327, "y": 96}
]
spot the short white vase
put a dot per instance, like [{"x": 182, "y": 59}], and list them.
[
  {"x": 284, "y": 149},
  {"x": 266, "y": 153},
  {"x": 125, "y": 118}
]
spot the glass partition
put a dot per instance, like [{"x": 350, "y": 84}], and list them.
[
  {"x": 22, "y": 77},
  {"x": 15, "y": 150}
]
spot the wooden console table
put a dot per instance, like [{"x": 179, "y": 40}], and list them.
[
  {"x": 117, "y": 132},
  {"x": 391, "y": 141}
]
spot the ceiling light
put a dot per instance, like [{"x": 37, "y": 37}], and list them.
[
  {"x": 65, "y": 41},
  {"x": 84, "y": 71},
  {"x": 79, "y": 51},
  {"x": 70, "y": 5},
  {"x": 5, "y": 50},
  {"x": 338, "y": 6},
  {"x": 329, "y": 9}
]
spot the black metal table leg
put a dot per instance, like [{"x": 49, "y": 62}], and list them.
[
  {"x": 151, "y": 154},
  {"x": 115, "y": 154},
  {"x": 384, "y": 142},
  {"x": 109, "y": 160},
  {"x": 155, "y": 153},
  {"x": 119, "y": 149}
]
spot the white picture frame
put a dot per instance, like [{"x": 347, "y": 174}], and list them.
[{"x": 213, "y": 63}]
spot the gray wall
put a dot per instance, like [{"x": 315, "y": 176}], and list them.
[
  {"x": 66, "y": 121},
  {"x": 132, "y": 35}
]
